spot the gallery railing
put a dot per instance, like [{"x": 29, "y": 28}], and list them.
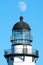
[{"x": 21, "y": 51}]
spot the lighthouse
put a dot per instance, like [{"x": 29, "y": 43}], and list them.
[{"x": 21, "y": 52}]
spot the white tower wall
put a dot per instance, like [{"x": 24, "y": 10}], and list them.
[
  {"x": 17, "y": 60},
  {"x": 18, "y": 49},
  {"x": 24, "y": 63}
]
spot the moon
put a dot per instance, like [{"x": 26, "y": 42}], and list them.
[{"x": 22, "y": 6}]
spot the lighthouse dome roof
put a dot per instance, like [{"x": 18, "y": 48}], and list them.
[{"x": 21, "y": 25}]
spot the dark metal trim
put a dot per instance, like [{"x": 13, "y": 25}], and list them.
[
  {"x": 13, "y": 55},
  {"x": 21, "y": 44},
  {"x": 22, "y": 39}
]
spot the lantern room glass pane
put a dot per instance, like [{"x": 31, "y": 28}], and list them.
[{"x": 21, "y": 37}]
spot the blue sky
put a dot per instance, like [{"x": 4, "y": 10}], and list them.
[{"x": 9, "y": 15}]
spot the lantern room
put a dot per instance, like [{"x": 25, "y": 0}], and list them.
[{"x": 21, "y": 33}]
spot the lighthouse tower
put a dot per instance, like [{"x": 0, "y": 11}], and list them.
[{"x": 21, "y": 52}]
